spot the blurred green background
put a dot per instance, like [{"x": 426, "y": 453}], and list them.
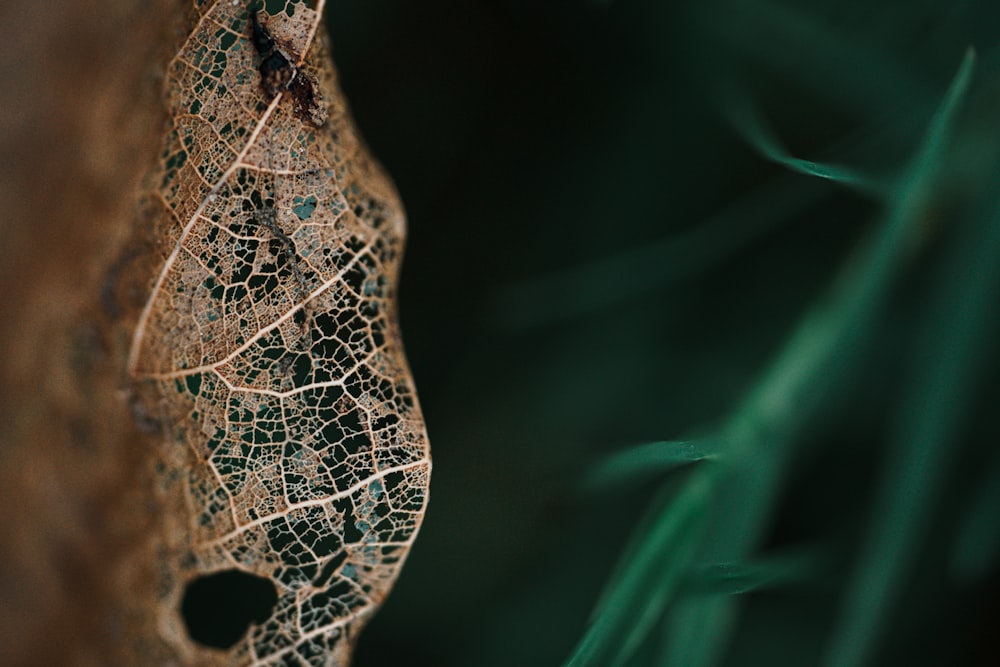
[{"x": 611, "y": 244}]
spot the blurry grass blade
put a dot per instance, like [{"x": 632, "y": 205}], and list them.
[
  {"x": 930, "y": 410},
  {"x": 743, "y": 116},
  {"x": 827, "y": 337},
  {"x": 978, "y": 545},
  {"x": 635, "y": 272},
  {"x": 648, "y": 459},
  {"x": 745, "y": 577},
  {"x": 697, "y": 629},
  {"x": 928, "y": 159},
  {"x": 644, "y": 527},
  {"x": 634, "y": 599}
]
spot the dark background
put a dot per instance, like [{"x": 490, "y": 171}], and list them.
[{"x": 548, "y": 154}]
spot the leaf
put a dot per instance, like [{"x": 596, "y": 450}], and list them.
[
  {"x": 648, "y": 459},
  {"x": 636, "y": 594},
  {"x": 78, "y": 132},
  {"x": 745, "y": 119},
  {"x": 747, "y": 576},
  {"x": 954, "y": 338},
  {"x": 822, "y": 345},
  {"x": 294, "y": 450}
]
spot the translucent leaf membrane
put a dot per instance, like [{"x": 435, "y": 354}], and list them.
[{"x": 294, "y": 450}]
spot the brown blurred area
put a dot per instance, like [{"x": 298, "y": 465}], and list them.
[{"x": 80, "y": 120}]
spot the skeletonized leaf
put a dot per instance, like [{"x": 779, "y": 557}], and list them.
[{"x": 268, "y": 351}]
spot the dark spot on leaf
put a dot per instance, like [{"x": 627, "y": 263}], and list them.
[{"x": 218, "y": 608}]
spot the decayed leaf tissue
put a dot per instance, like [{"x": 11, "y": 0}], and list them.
[{"x": 267, "y": 353}]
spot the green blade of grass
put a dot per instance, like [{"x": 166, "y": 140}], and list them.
[
  {"x": 922, "y": 442},
  {"x": 635, "y": 272},
  {"x": 697, "y": 628},
  {"x": 633, "y": 600},
  {"x": 748, "y": 576},
  {"x": 747, "y": 122},
  {"x": 825, "y": 343},
  {"x": 648, "y": 459}
]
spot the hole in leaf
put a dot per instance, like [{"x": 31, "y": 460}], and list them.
[{"x": 218, "y": 608}]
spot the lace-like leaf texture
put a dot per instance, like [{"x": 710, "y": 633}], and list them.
[{"x": 269, "y": 351}]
